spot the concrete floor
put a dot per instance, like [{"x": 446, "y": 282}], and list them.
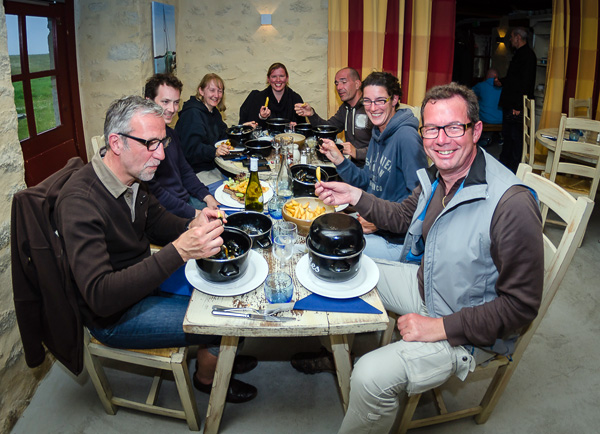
[{"x": 556, "y": 388}]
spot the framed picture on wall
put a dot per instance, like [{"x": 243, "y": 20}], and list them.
[{"x": 163, "y": 35}]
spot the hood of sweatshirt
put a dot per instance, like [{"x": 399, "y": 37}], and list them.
[{"x": 404, "y": 118}]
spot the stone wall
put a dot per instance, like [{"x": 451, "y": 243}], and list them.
[
  {"x": 114, "y": 53},
  {"x": 114, "y": 49},
  {"x": 17, "y": 381}
]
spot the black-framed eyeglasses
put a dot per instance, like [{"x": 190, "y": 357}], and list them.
[
  {"x": 451, "y": 130},
  {"x": 151, "y": 144},
  {"x": 378, "y": 102}
]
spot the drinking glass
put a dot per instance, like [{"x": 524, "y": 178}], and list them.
[{"x": 284, "y": 237}]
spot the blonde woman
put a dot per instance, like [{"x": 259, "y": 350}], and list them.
[{"x": 200, "y": 124}]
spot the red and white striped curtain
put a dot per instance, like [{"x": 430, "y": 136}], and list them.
[
  {"x": 412, "y": 39},
  {"x": 573, "y": 60}
]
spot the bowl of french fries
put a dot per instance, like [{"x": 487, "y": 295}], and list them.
[{"x": 303, "y": 210}]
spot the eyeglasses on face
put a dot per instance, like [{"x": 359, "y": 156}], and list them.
[
  {"x": 378, "y": 102},
  {"x": 151, "y": 144},
  {"x": 451, "y": 130}
]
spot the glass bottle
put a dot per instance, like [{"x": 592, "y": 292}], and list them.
[
  {"x": 254, "y": 195},
  {"x": 284, "y": 184}
]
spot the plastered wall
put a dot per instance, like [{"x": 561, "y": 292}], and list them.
[
  {"x": 114, "y": 49},
  {"x": 114, "y": 55}
]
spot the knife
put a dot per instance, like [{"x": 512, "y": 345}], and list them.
[
  {"x": 270, "y": 309},
  {"x": 252, "y": 316}
]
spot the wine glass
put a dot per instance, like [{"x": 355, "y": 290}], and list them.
[{"x": 284, "y": 237}]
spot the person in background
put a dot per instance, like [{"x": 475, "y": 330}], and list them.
[
  {"x": 489, "y": 96},
  {"x": 490, "y": 113},
  {"x": 175, "y": 184},
  {"x": 351, "y": 116},
  {"x": 107, "y": 218},
  {"x": 471, "y": 272},
  {"x": 281, "y": 99},
  {"x": 519, "y": 81},
  {"x": 200, "y": 125}
]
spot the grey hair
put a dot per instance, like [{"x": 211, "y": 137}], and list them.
[
  {"x": 447, "y": 91},
  {"x": 522, "y": 32},
  {"x": 121, "y": 111}
]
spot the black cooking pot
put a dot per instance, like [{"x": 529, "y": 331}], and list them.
[
  {"x": 334, "y": 268},
  {"x": 305, "y": 129},
  {"x": 336, "y": 234},
  {"x": 238, "y": 134},
  {"x": 257, "y": 225},
  {"x": 278, "y": 125},
  {"x": 214, "y": 269},
  {"x": 326, "y": 132},
  {"x": 323, "y": 157},
  {"x": 304, "y": 177},
  {"x": 258, "y": 147}
]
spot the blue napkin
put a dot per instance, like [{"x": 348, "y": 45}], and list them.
[
  {"x": 177, "y": 283},
  {"x": 326, "y": 304}
]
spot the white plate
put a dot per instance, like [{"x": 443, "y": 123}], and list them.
[
  {"x": 235, "y": 148},
  {"x": 255, "y": 275},
  {"x": 225, "y": 199},
  {"x": 365, "y": 280}
]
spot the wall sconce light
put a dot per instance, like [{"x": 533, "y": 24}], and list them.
[
  {"x": 265, "y": 19},
  {"x": 499, "y": 40}
]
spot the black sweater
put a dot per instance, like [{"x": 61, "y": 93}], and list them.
[
  {"x": 250, "y": 109},
  {"x": 198, "y": 131}
]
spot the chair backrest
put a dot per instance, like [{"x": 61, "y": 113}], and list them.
[
  {"x": 528, "y": 131},
  {"x": 415, "y": 109},
  {"x": 584, "y": 106},
  {"x": 587, "y": 146},
  {"x": 97, "y": 143},
  {"x": 557, "y": 257}
]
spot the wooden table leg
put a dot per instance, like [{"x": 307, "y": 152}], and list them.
[
  {"x": 216, "y": 403},
  {"x": 343, "y": 365}
]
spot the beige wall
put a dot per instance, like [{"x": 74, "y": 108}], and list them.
[
  {"x": 17, "y": 381},
  {"x": 114, "y": 53},
  {"x": 114, "y": 49}
]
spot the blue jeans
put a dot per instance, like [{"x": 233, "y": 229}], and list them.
[
  {"x": 154, "y": 322},
  {"x": 379, "y": 247}
]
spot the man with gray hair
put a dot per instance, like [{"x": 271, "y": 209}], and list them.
[
  {"x": 519, "y": 81},
  {"x": 108, "y": 218}
]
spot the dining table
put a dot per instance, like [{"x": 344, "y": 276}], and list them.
[
  {"x": 547, "y": 137},
  {"x": 338, "y": 326}
]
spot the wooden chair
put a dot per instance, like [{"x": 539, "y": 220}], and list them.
[
  {"x": 580, "y": 105},
  {"x": 575, "y": 176},
  {"x": 97, "y": 143},
  {"x": 537, "y": 161},
  {"x": 163, "y": 360},
  {"x": 576, "y": 213}
]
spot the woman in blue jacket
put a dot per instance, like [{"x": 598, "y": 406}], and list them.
[{"x": 394, "y": 155}]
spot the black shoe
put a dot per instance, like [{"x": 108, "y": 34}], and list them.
[
  {"x": 237, "y": 392},
  {"x": 243, "y": 364},
  {"x": 315, "y": 362}
]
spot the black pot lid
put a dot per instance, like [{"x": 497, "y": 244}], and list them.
[{"x": 336, "y": 234}]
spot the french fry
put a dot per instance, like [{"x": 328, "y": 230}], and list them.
[
  {"x": 267, "y": 102},
  {"x": 303, "y": 211},
  {"x": 319, "y": 173}
]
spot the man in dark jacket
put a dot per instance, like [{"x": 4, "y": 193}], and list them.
[
  {"x": 519, "y": 81},
  {"x": 175, "y": 184},
  {"x": 351, "y": 115},
  {"x": 108, "y": 218}
]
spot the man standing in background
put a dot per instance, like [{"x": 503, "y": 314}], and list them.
[{"x": 519, "y": 81}]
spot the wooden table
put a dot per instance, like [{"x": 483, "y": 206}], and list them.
[
  {"x": 551, "y": 146},
  {"x": 337, "y": 326}
]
